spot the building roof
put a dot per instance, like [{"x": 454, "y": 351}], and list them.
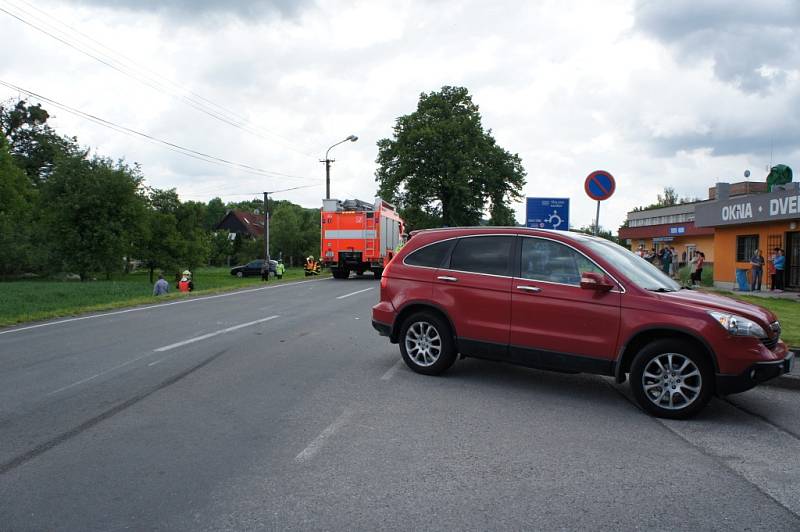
[{"x": 243, "y": 222}]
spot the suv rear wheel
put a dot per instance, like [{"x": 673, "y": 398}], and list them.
[
  {"x": 427, "y": 344},
  {"x": 670, "y": 379}
]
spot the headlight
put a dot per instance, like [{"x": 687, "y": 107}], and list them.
[{"x": 737, "y": 325}]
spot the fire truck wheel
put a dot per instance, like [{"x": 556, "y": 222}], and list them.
[
  {"x": 340, "y": 274},
  {"x": 360, "y": 273},
  {"x": 426, "y": 343}
]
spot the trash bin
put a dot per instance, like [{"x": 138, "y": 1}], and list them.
[{"x": 742, "y": 281}]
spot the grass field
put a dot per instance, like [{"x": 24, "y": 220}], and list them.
[
  {"x": 787, "y": 310},
  {"x": 29, "y": 300}
]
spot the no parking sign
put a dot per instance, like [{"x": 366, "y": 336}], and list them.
[{"x": 599, "y": 185}]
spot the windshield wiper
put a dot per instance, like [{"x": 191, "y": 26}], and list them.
[{"x": 660, "y": 289}]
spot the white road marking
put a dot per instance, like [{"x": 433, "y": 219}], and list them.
[
  {"x": 82, "y": 381},
  {"x": 209, "y": 335},
  {"x": 160, "y": 305},
  {"x": 354, "y": 293},
  {"x": 314, "y": 447},
  {"x": 391, "y": 371}
]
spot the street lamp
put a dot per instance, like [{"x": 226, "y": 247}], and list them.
[{"x": 328, "y": 161}]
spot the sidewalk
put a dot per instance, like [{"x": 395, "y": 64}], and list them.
[{"x": 769, "y": 294}]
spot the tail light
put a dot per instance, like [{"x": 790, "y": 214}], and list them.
[{"x": 385, "y": 278}]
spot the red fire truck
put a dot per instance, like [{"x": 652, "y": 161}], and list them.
[{"x": 358, "y": 236}]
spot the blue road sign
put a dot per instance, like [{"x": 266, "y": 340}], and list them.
[
  {"x": 600, "y": 185},
  {"x": 548, "y": 213}
]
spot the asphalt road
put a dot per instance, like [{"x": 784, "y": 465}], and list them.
[{"x": 280, "y": 408}]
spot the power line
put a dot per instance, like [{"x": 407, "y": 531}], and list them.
[
  {"x": 170, "y": 145},
  {"x": 144, "y": 75},
  {"x": 223, "y": 192}
]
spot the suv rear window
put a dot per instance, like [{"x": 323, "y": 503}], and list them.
[
  {"x": 483, "y": 254},
  {"x": 432, "y": 256}
]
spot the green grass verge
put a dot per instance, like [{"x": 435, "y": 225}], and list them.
[
  {"x": 787, "y": 310},
  {"x": 30, "y": 300}
]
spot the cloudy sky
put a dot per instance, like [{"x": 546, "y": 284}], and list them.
[{"x": 679, "y": 93}]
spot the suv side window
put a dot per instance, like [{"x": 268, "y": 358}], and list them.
[
  {"x": 546, "y": 260},
  {"x": 483, "y": 254},
  {"x": 431, "y": 256}
]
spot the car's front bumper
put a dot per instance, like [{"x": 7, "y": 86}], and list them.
[{"x": 755, "y": 374}]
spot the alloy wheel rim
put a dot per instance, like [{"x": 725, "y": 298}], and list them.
[
  {"x": 672, "y": 381},
  {"x": 423, "y": 343}
]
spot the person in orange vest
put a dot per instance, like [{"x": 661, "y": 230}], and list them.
[{"x": 186, "y": 284}]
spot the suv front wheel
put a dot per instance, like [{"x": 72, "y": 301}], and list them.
[
  {"x": 426, "y": 344},
  {"x": 670, "y": 379}
]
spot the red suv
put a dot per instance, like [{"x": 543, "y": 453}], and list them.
[{"x": 573, "y": 303}]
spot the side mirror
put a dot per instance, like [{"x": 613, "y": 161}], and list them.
[{"x": 595, "y": 281}]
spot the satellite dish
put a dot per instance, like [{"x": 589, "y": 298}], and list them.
[{"x": 747, "y": 173}]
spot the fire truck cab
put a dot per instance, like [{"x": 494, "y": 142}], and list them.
[{"x": 357, "y": 236}]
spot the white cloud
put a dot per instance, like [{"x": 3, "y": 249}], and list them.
[{"x": 570, "y": 86}]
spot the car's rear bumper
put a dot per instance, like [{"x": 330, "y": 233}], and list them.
[
  {"x": 382, "y": 328},
  {"x": 755, "y": 374}
]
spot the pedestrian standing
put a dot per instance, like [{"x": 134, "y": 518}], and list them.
[
  {"x": 161, "y": 287},
  {"x": 756, "y": 269},
  {"x": 673, "y": 260},
  {"x": 697, "y": 267},
  {"x": 780, "y": 263},
  {"x": 279, "y": 269},
  {"x": 666, "y": 260},
  {"x": 771, "y": 271}
]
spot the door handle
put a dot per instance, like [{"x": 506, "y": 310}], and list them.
[
  {"x": 527, "y": 288},
  {"x": 447, "y": 278}
]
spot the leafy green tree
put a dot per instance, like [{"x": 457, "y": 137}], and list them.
[
  {"x": 92, "y": 209},
  {"x": 34, "y": 145},
  {"x": 294, "y": 232},
  {"x": 215, "y": 211},
  {"x": 16, "y": 201},
  {"x": 668, "y": 199},
  {"x": 442, "y": 168},
  {"x": 162, "y": 245},
  {"x": 196, "y": 240},
  {"x": 221, "y": 248}
]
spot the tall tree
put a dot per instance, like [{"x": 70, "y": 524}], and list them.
[
  {"x": 34, "y": 145},
  {"x": 16, "y": 201},
  {"x": 442, "y": 168},
  {"x": 92, "y": 208}
]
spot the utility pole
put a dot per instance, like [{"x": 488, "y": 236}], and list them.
[
  {"x": 328, "y": 177},
  {"x": 266, "y": 233}
]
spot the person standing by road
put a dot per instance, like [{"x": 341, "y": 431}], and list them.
[
  {"x": 279, "y": 269},
  {"x": 697, "y": 267},
  {"x": 756, "y": 269},
  {"x": 672, "y": 263},
  {"x": 666, "y": 260},
  {"x": 771, "y": 271},
  {"x": 779, "y": 262},
  {"x": 186, "y": 284},
  {"x": 161, "y": 287}
]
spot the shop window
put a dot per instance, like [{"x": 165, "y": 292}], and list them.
[{"x": 746, "y": 246}]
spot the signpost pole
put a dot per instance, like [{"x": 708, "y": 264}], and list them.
[{"x": 597, "y": 220}]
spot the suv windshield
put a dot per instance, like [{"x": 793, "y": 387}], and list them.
[{"x": 635, "y": 268}]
